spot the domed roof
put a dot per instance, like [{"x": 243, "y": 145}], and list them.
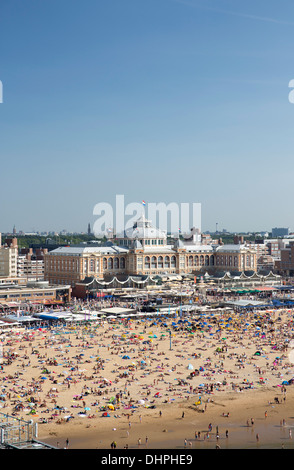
[
  {"x": 143, "y": 229},
  {"x": 179, "y": 244},
  {"x": 136, "y": 245}
]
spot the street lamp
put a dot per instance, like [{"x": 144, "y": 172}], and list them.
[{"x": 170, "y": 344}]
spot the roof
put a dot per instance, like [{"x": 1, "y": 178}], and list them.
[
  {"x": 246, "y": 303},
  {"x": 84, "y": 250},
  {"x": 117, "y": 310},
  {"x": 198, "y": 248},
  {"x": 168, "y": 249},
  {"x": 143, "y": 229},
  {"x": 231, "y": 248}
]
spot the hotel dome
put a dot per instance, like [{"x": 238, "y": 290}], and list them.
[{"x": 143, "y": 229}]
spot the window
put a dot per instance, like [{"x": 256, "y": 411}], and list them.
[{"x": 147, "y": 262}]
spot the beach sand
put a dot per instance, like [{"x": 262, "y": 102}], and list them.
[{"x": 236, "y": 381}]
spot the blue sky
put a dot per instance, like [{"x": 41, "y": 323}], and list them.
[{"x": 161, "y": 100}]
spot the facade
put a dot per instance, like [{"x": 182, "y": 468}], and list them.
[
  {"x": 8, "y": 258},
  {"x": 34, "y": 293},
  {"x": 69, "y": 265},
  {"x": 144, "y": 251},
  {"x": 30, "y": 265},
  {"x": 286, "y": 264},
  {"x": 280, "y": 232}
]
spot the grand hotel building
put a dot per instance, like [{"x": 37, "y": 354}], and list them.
[{"x": 144, "y": 251}]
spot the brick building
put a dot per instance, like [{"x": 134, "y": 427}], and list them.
[{"x": 144, "y": 251}]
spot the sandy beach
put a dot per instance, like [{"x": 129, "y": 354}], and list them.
[{"x": 224, "y": 384}]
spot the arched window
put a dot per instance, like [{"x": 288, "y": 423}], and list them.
[
  {"x": 147, "y": 262},
  {"x": 211, "y": 261},
  {"x": 116, "y": 263},
  {"x": 206, "y": 260},
  {"x": 173, "y": 261},
  {"x": 104, "y": 263},
  {"x": 160, "y": 261},
  {"x": 196, "y": 260},
  {"x": 201, "y": 260},
  {"x": 122, "y": 263},
  {"x": 190, "y": 260},
  {"x": 166, "y": 262},
  {"x": 110, "y": 263},
  {"x": 153, "y": 262}
]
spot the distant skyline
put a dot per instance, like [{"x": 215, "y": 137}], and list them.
[{"x": 159, "y": 100}]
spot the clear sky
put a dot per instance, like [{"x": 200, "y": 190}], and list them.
[{"x": 159, "y": 100}]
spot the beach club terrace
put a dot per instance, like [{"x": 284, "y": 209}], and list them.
[{"x": 242, "y": 279}]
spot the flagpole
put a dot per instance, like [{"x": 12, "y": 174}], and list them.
[{"x": 143, "y": 204}]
